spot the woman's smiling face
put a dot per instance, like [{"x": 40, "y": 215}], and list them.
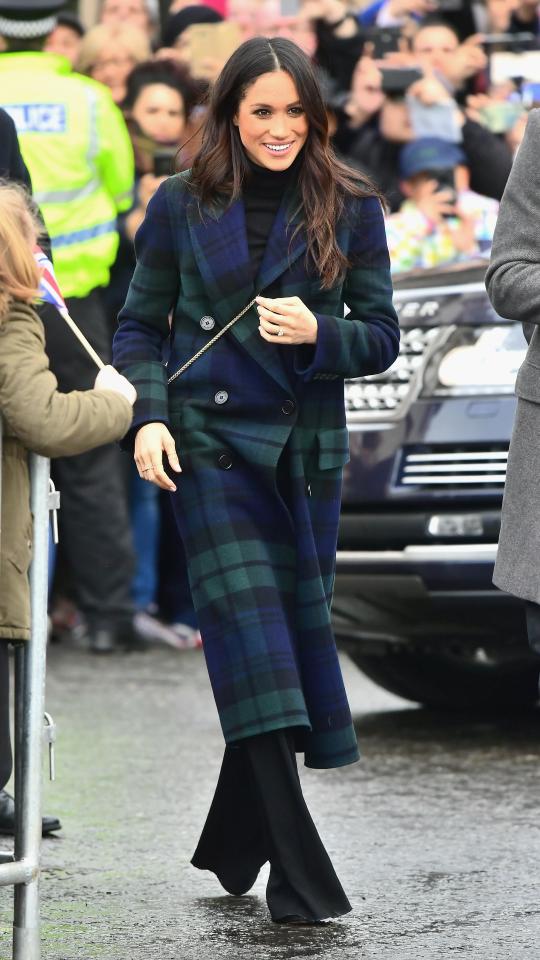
[{"x": 271, "y": 121}]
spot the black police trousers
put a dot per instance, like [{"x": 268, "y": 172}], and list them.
[{"x": 95, "y": 533}]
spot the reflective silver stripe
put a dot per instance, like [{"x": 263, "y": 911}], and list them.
[
  {"x": 126, "y": 195},
  {"x": 78, "y": 193},
  {"x": 64, "y": 196},
  {"x": 93, "y": 138}
]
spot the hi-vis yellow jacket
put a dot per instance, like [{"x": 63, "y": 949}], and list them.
[{"x": 76, "y": 146}]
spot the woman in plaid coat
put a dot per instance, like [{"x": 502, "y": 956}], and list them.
[{"x": 255, "y": 438}]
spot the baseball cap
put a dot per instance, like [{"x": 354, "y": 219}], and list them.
[{"x": 429, "y": 153}]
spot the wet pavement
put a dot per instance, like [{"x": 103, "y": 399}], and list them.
[{"x": 435, "y": 834}]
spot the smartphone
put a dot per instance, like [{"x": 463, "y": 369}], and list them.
[
  {"x": 446, "y": 180},
  {"x": 450, "y": 6},
  {"x": 164, "y": 162},
  {"x": 396, "y": 80},
  {"x": 514, "y": 41},
  {"x": 384, "y": 39},
  {"x": 211, "y": 41}
]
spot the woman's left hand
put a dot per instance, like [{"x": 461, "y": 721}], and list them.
[{"x": 286, "y": 320}]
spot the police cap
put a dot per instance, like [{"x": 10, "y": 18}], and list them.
[{"x": 27, "y": 19}]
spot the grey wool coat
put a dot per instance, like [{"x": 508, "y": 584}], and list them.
[
  {"x": 513, "y": 285},
  {"x": 260, "y": 561}
]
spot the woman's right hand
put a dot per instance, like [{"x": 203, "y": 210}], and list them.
[{"x": 151, "y": 442}]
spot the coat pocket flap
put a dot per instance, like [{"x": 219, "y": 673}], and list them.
[
  {"x": 333, "y": 448},
  {"x": 528, "y": 382}
]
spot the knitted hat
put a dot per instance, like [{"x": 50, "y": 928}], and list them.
[{"x": 178, "y": 22}]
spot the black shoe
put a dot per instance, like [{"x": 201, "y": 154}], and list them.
[
  {"x": 236, "y": 884},
  {"x": 7, "y": 817},
  {"x": 101, "y": 640}
]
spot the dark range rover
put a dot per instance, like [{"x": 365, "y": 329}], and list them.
[{"x": 414, "y": 604}]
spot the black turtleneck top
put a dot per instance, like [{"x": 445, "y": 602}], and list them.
[{"x": 262, "y": 192}]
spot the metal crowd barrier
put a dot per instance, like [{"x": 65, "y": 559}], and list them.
[{"x": 22, "y": 868}]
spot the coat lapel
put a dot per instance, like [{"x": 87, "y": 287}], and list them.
[
  {"x": 220, "y": 246},
  {"x": 280, "y": 253}
]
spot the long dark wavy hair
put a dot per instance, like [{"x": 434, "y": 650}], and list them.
[{"x": 324, "y": 181}]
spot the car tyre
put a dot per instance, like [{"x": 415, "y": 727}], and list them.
[{"x": 450, "y": 680}]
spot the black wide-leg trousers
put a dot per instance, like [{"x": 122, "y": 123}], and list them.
[{"x": 259, "y": 814}]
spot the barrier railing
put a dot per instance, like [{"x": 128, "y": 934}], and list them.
[{"x": 23, "y": 868}]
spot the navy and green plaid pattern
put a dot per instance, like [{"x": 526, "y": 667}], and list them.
[{"x": 260, "y": 537}]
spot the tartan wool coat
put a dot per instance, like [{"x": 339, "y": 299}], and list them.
[{"x": 260, "y": 539}]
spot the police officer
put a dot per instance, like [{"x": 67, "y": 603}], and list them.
[{"x": 76, "y": 146}]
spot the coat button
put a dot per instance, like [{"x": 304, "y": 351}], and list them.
[
  {"x": 225, "y": 461},
  {"x": 288, "y": 407},
  {"x": 221, "y": 396},
  {"x": 207, "y": 323}
]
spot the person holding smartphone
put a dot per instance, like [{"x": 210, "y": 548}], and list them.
[
  {"x": 269, "y": 230},
  {"x": 441, "y": 221}
]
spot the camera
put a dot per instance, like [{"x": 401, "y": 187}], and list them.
[
  {"x": 397, "y": 80},
  {"x": 450, "y": 6}
]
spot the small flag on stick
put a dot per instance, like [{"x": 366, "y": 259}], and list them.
[{"x": 49, "y": 292}]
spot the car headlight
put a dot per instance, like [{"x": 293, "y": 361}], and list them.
[{"x": 477, "y": 360}]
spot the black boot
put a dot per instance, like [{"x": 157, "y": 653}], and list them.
[{"x": 7, "y": 817}]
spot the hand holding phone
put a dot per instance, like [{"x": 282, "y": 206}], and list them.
[
  {"x": 163, "y": 164},
  {"x": 436, "y": 200}
]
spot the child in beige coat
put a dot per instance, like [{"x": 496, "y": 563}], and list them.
[{"x": 35, "y": 417}]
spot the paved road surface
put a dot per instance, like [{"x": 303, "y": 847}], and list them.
[{"x": 435, "y": 835}]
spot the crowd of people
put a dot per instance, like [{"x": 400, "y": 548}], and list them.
[{"x": 429, "y": 98}]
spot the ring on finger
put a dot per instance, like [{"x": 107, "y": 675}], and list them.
[
  {"x": 280, "y": 332},
  {"x": 146, "y": 469}
]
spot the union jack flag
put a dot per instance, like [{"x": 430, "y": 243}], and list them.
[{"x": 49, "y": 291}]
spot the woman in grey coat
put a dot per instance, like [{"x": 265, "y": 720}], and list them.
[{"x": 513, "y": 285}]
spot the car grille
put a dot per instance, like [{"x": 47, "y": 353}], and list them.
[
  {"x": 393, "y": 391},
  {"x": 436, "y": 468}
]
